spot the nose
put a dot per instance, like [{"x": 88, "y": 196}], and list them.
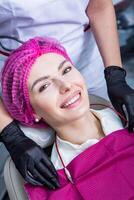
[{"x": 64, "y": 86}]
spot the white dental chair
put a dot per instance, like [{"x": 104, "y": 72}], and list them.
[{"x": 13, "y": 180}]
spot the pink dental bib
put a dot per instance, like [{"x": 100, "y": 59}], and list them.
[{"x": 104, "y": 171}]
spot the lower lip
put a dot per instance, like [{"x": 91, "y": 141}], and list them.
[{"x": 75, "y": 104}]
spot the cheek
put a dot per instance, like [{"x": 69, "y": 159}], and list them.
[
  {"x": 42, "y": 106},
  {"x": 79, "y": 80},
  {"x": 48, "y": 112},
  {"x": 44, "y": 103}
]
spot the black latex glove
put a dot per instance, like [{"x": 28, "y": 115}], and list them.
[
  {"x": 29, "y": 158},
  {"x": 120, "y": 93}
]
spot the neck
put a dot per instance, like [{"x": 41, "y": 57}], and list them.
[{"x": 79, "y": 131}]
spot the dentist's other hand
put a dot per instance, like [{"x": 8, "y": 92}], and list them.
[{"x": 120, "y": 93}]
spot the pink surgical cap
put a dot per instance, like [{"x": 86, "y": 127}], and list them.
[{"x": 15, "y": 74}]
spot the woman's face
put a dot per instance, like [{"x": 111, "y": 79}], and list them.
[{"x": 57, "y": 90}]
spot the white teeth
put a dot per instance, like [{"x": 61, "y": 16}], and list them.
[{"x": 72, "y": 100}]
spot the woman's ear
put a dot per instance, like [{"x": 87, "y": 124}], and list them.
[{"x": 37, "y": 118}]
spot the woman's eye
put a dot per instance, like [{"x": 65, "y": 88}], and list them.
[
  {"x": 43, "y": 87},
  {"x": 68, "y": 69}
]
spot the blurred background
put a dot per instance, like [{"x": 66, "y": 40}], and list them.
[{"x": 125, "y": 22}]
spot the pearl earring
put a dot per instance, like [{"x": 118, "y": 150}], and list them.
[{"x": 36, "y": 120}]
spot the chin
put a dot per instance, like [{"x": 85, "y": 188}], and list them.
[{"x": 79, "y": 113}]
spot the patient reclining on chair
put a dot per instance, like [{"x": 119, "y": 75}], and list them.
[{"x": 92, "y": 152}]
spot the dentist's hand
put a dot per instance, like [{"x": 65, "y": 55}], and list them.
[
  {"x": 120, "y": 93},
  {"x": 29, "y": 158}
]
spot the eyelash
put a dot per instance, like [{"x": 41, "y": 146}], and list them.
[
  {"x": 69, "y": 67},
  {"x": 43, "y": 87}
]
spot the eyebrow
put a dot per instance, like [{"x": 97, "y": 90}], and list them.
[{"x": 46, "y": 77}]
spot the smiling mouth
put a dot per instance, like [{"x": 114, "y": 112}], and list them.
[{"x": 73, "y": 101}]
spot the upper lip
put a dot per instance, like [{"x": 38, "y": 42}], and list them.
[{"x": 70, "y": 97}]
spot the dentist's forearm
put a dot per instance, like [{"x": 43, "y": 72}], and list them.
[
  {"x": 103, "y": 24},
  {"x": 5, "y": 118}
]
